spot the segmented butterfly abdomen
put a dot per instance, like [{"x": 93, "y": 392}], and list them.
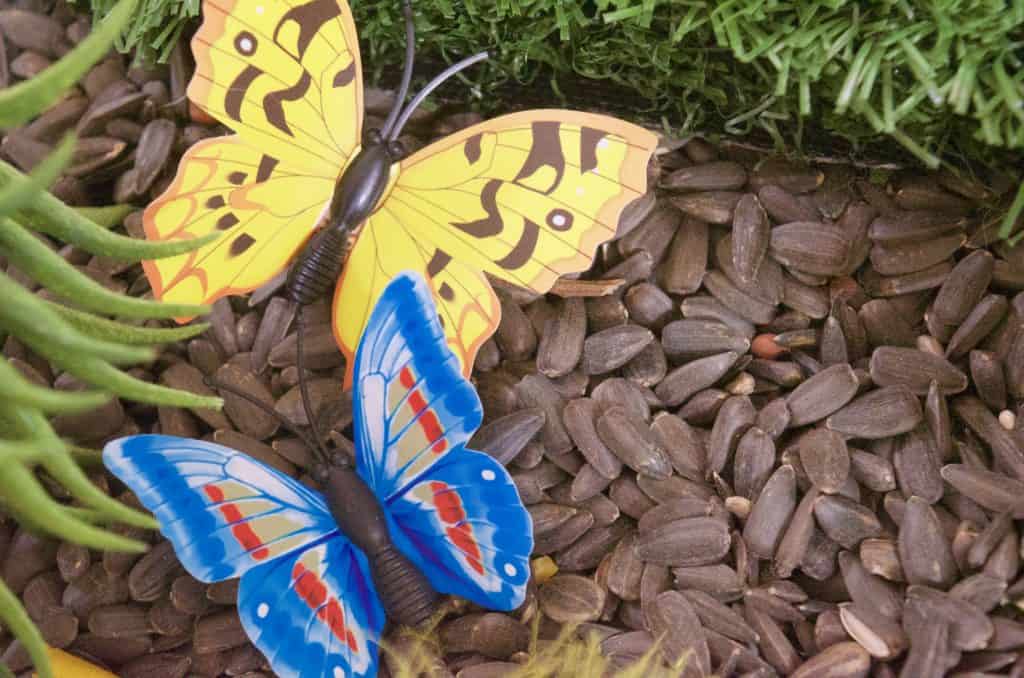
[
  {"x": 407, "y": 596},
  {"x": 318, "y": 267}
]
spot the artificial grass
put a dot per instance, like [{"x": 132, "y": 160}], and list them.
[{"x": 942, "y": 78}]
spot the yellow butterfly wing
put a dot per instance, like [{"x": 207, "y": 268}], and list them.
[
  {"x": 286, "y": 77},
  {"x": 525, "y": 197},
  {"x": 265, "y": 210}
]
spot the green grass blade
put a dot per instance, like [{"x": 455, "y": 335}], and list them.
[
  {"x": 64, "y": 469},
  {"x": 1016, "y": 209},
  {"x": 111, "y": 330},
  {"x": 20, "y": 625},
  {"x": 110, "y": 378},
  {"x": 23, "y": 101},
  {"x": 50, "y": 270},
  {"x": 25, "y": 190}
]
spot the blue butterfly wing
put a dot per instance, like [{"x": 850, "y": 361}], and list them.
[
  {"x": 455, "y": 512},
  {"x": 464, "y": 524},
  {"x": 223, "y": 511},
  {"x": 412, "y": 406},
  {"x": 315, "y": 612}
]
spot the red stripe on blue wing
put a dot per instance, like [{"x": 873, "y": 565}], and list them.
[
  {"x": 313, "y": 592},
  {"x": 451, "y": 512},
  {"x": 241, "y": 531},
  {"x": 428, "y": 420}
]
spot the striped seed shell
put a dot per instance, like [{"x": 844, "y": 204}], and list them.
[
  {"x": 631, "y": 440},
  {"x": 771, "y": 513},
  {"x": 561, "y": 342},
  {"x": 915, "y": 369},
  {"x": 751, "y": 233},
  {"x": 687, "y": 542},
  {"x": 825, "y": 459},
  {"x": 811, "y": 247},
  {"x": 880, "y": 413},
  {"x": 925, "y": 553},
  {"x": 821, "y": 395},
  {"x": 612, "y": 348}
]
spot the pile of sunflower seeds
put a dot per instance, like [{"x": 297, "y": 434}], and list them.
[{"x": 778, "y": 426}]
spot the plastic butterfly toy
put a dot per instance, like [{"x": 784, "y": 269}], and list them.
[
  {"x": 526, "y": 197},
  {"x": 419, "y": 514}
]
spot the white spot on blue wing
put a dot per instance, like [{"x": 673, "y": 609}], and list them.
[
  {"x": 339, "y": 672},
  {"x": 487, "y": 474},
  {"x": 262, "y": 611},
  {"x": 510, "y": 569}
]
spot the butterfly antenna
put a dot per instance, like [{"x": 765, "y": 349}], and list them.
[
  {"x": 221, "y": 386},
  {"x": 430, "y": 87},
  {"x": 318, "y": 447},
  {"x": 410, "y": 55}
]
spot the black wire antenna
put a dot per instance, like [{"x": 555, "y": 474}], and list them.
[{"x": 399, "y": 116}]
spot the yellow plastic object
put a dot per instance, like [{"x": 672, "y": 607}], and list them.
[
  {"x": 68, "y": 666},
  {"x": 524, "y": 198}
]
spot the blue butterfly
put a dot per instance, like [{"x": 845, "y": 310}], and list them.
[{"x": 319, "y": 571}]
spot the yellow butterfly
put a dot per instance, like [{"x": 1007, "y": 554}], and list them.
[{"x": 525, "y": 197}]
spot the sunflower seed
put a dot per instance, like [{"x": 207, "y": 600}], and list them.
[
  {"x": 916, "y": 255},
  {"x": 713, "y": 207},
  {"x": 754, "y": 461},
  {"x": 689, "y": 339},
  {"x": 653, "y": 234},
  {"x": 612, "y": 348},
  {"x": 150, "y": 578},
  {"x": 537, "y": 391},
  {"x": 648, "y": 305},
  {"x": 811, "y": 247},
  {"x": 618, "y": 392},
  {"x": 917, "y": 225},
  {"x": 821, "y": 395},
  {"x": 881, "y": 637},
  {"x": 119, "y": 621},
  {"x": 217, "y": 632},
  {"x": 978, "y": 324},
  {"x": 673, "y": 618},
  {"x": 872, "y": 471},
  {"x": 770, "y": 513},
  {"x": 994, "y": 491},
  {"x": 686, "y": 261},
  {"x": 880, "y": 557},
  {"x": 708, "y": 308},
  {"x": 1004, "y": 446},
  {"x": 884, "y": 326},
  {"x": 811, "y": 301},
  {"x": 825, "y": 459},
  {"x": 498, "y": 636},
  {"x": 712, "y": 176},
  {"x": 898, "y": 285},
  {"x": 914, "y": 369},
  {"x": 632, "y": 442},
  {"x": 163, "y": 665},
  {"x": 768, "y": 283},
  {"x": 969, "y": 628},
  {"x": 964, "y": 288},
  {"x": 751, "y": 233},
  {"x": 564, "y": 535},
  {"x": 505, "y": 438},
  {"x": 917, "y": 466},
  {"x": 30, "y": 31},
  {"x": 648, "y": 367},
  {"x": 988, "y": 379},
  {"x": 879, "y": 413},
  {"x": 514, "y": 336},
  {"x": 936, "y": 414},
  {"x": 683, "y": 382},
  {"x": 867, "y": 590},
  {"x": 924, "y": 551},
  {"x": 625, "y": 570},
  {"x": 687, "y": 542},
  {"x": 989, "y": 540},
  {"x": 1014, "y": 363},
  {"x": 571, "y": 599},
  {"x": 681, "y": 444},
  {"x": 746, "y": 305},
  {"x": 845, "y": 521},
  {"x": 561, "y": 343},
  {"x": 717, "y": 616},
  {"x": 586, "y": 552},
  {"x": 628, "y": 496}
]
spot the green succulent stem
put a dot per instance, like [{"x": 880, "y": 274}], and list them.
[
  {"x": 111, "y": 330},
  {"x": 98, "y": 372},
  {"x": 49, "y": 215},
  {"x": 14, "y": 388},
  {"x": 23, "y": 314},
  {"x": 105, "y": 217},
  {"x": 17, "y": 194},
  {"x": 32, "y": 505},
  {"x": 50, "y": 270},
  {"x": 20, "y": 102},
  {"x": 19, "y": 624}
]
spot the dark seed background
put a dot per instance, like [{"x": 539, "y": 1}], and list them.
[{"x": 787, "y": 437}]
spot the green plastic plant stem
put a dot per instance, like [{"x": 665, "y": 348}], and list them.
[
  {"x": 86, "y": 456},
  {"x": 21, "y": 102},
  {"x": 21, "y": 626},
  {"x": 105, "y": 217},
  {"x": 28, "y": 318},
  {"x": 49, "y": 215},
  {"x": 16, "y": 194},
  {"x": 27, "y": 501},
  {"x": 94, "y": 371},
  {"x": 64, "y": 469},
  {"x": 111, "y": 330},
  {"x": 1013, "y": 213},
  {"x": 50, "y": 270},
  {"x": 14, "y": 388}
]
